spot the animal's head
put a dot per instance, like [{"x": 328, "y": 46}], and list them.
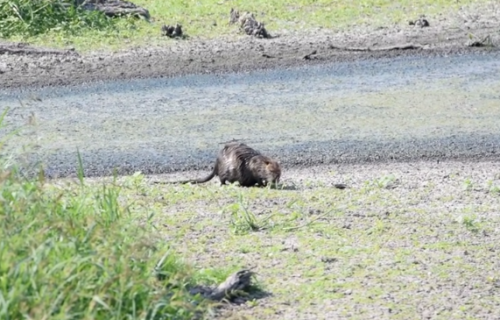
[{"x": 271, "y": 170}]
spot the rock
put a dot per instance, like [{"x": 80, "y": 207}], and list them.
[
  {"x": 249, "y": 24},
  {"x": 172, "y": 31},
  {"x": 420, "y": 22}
]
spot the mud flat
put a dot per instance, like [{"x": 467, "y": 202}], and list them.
[{"x": 390, "y": 109}]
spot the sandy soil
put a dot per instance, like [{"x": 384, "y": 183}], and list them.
[{"x": 446, "y": 34}]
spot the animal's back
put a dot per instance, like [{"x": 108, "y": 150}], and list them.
[{"x": 233, "y": 159}]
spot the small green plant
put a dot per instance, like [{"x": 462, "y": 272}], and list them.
[
  {"x": 242, "y": 220},
  {"x": 467, "y": 185},
  {"x": 493, "y": 188},
  {"x": 470, "y": 222},
  {"x": 386, "y": 182}
]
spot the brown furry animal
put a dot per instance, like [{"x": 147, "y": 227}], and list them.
[{"x": 238, "y": 162}]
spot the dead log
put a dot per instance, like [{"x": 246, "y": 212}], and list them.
[
  {"x": 114, "y": 8},
  {"x": 390, "y": 48},
  {"x": 248, "y": 24},
  {"x": 235, "y": 286},
  {"x": 24, "y": 48},
  {"x": 237, "y": 282}
]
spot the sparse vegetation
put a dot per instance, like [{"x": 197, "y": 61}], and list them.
[
  {"x": 89, "y": 248},
  {"x": 384, "y": 248},
  {"x": 317, "y": 244}
]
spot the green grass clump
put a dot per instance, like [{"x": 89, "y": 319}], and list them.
[
  {"x": 78, "y": 253},
  {"x": 36, "y": 17}
]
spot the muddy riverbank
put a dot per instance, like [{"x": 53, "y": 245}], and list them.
[{"x": 447, "y": 34}]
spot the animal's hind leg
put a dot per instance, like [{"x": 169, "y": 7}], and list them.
[
  {"x": 222, "y": 181},
  {"x": 262, "y": 183}
]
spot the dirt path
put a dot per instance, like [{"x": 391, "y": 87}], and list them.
[{"x": 446, "y": 34}]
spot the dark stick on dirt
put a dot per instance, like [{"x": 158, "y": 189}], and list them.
[
  {"x": 391, "y": 48},
  {"x": 340, "y": 186},
  {"x": 310, "y": 55},
  {"x": 22, "y": 48}
]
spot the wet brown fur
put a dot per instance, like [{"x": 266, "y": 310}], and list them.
[{"x": 237, "y": 162}]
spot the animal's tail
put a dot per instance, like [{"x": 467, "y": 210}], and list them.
[
  {"x": 202, "y": 180},
  {"x": 194, "y": 181}
]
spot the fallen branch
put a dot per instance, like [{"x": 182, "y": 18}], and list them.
[
  {"x": 234, "y": 286},
  {"x": 237, "y": 282},
  {"x": 310, "y": 55},
  {"x": 486, "y": 42},
  {"x": 114, "y": 8},
  {"x": 391, "y": 48},
  {"x": 22, "y": 48}
]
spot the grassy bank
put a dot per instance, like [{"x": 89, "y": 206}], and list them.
[
  {"x": 209, "y": 18},
  {"x": 79, "y": 251}
]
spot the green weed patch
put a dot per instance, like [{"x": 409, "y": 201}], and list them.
[{"x": 35, "y": 17}]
